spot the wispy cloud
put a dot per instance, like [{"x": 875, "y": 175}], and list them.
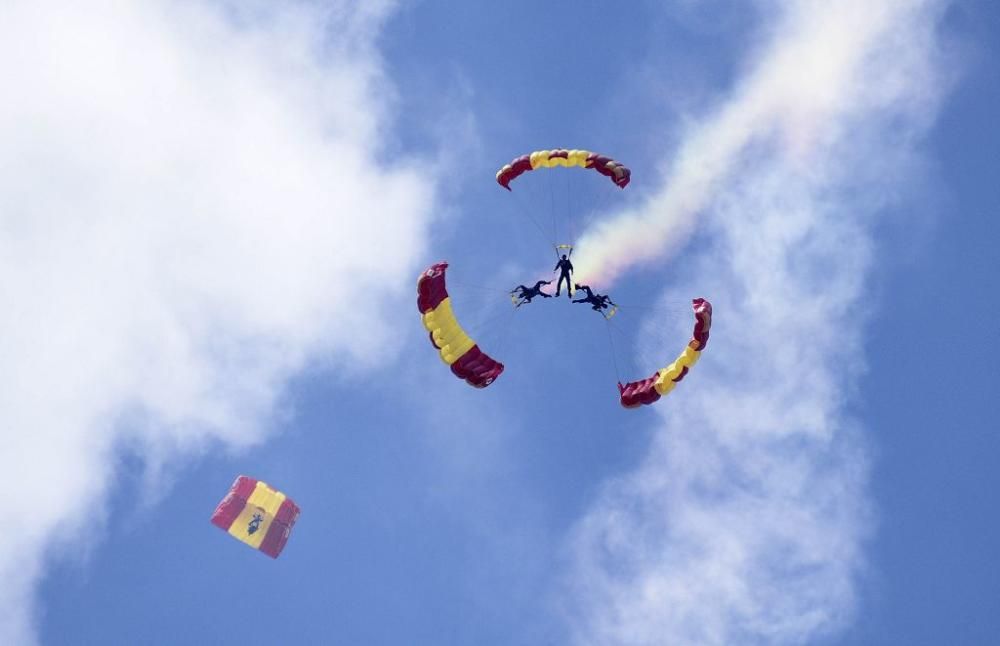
[
  {"x": 189, "y": 195},
  {"x": 745, "y": 522}
]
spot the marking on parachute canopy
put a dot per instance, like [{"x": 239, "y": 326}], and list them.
[{"x": 254, "y": 524}]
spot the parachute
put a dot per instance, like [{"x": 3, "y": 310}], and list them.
[
  {"x": 256, "y": 514},
  {"x": 647, "y": 391},
  {"x": 619, "y": 174},
  {"x": 457, "y": 350},
  {"x": 463, "y": 355}
]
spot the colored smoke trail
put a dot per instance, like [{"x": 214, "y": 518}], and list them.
[{"x": 796, "y": 102}]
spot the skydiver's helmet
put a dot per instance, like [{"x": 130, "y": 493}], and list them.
[{"x": 564, "y": 257}]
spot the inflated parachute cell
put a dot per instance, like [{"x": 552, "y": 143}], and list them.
[
  {"x": 649, "y": 390},
  {"x": 258, "y": 515},
  {"x": 606, "y": 166},
  {"x": 457, "y": 350}
]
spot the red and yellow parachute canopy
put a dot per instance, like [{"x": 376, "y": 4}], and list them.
[
  {"x": 649, "y": 390},
  {"x": 258, "y": 515},
  {"x": 606, "y": 166},
  {"x": 457, "y": 350}
]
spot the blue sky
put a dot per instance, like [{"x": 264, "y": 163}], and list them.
[{"x": 213, "y": 219}]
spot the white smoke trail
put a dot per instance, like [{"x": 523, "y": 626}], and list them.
[{"x": 745, "y": 522}]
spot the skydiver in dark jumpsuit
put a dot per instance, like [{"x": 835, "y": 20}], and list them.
[
  {"x": 528, "y": 293},
  {"x": 565, "y": 267},
  {"x": 598, "y": 302}
]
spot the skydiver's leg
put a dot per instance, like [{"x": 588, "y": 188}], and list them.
[{"x": 569, "y": 291}]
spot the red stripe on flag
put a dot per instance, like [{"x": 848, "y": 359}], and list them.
[
  {"x": 280, "y": 529},
  {"x": 234, "y": 502}
]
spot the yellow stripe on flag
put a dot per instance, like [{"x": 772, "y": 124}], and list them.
[{"x": 253, "y": 522}]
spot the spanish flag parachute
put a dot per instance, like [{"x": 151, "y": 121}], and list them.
[
  {"x": 615, "y": 171},
  {"x": 258, "y": 515},
  {"x": 457, "y": 350},
  {"x": 647, "y": 391}
]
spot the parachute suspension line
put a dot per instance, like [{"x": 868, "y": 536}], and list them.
[
  {"x": 482, "y": 327},
  {"x": 527, "y": 213},
  {"x": 617, "y": 329},
  {"x": 482, "y": 288},
  {"x": 533, "y": 196},
  {"x": 614, "y": 355},
  {"x": 572, "y": 181},
  {"x": 567, "y": 210},
  {"x": 505, "y": 333},
  {"x": 589, "y": 202},
  {"x": 526, "y": 210},
  {"x": 550, "y": 177},
  {"x": 600, "y": 198},
  {"x": 671, "y": 311}
]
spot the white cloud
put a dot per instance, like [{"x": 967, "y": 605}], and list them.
[
  {"x": 746, "y": 521},
  {"x": 190, "y": 194}
]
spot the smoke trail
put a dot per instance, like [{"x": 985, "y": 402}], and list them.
[
  {"x": 814, "y": 78},
  {"x": 745, "y": 522}
]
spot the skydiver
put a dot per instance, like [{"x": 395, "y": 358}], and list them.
[
  {"x": 598, "y": 302},
  {"x": 528, "y": 293},
  {"x": 565, "y": 267}
]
